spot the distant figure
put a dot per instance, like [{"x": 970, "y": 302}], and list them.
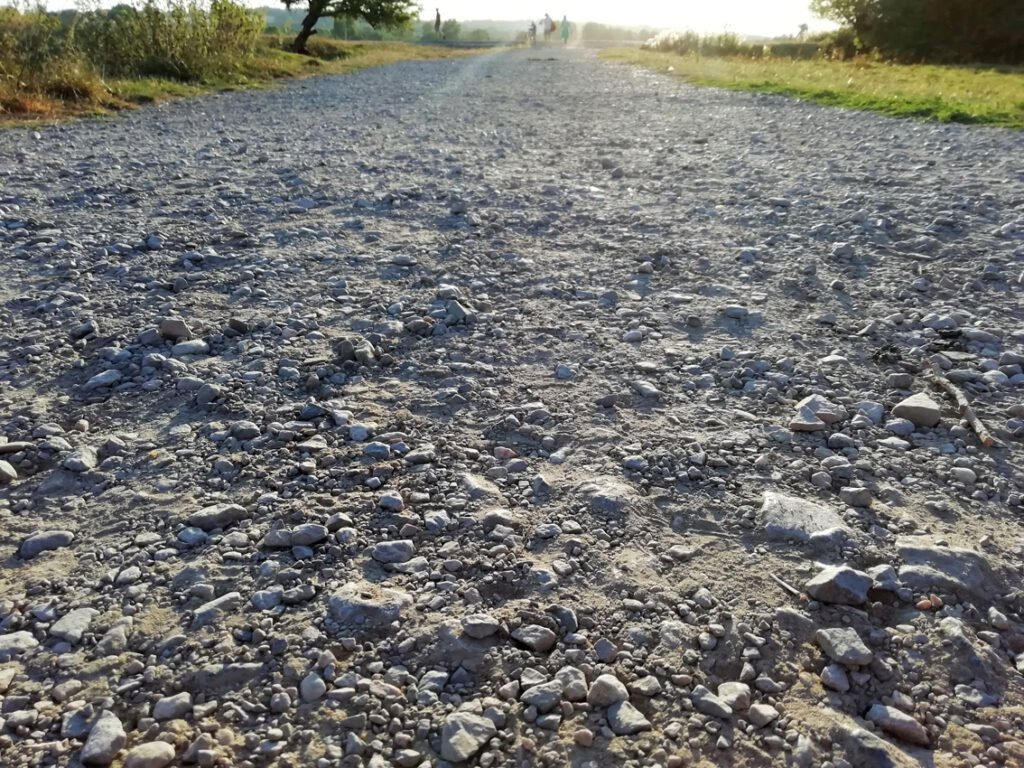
[
  {"x": 437, "y": 23},
  {"x": 531, "y": 34},
  {"x": 547, "y": 26},
  {"x": 565, "y": 30}
]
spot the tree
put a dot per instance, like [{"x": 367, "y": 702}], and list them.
[
  {"x": 450, "y": 30},
  {"x": 860, "y": 15},
  {"x": 374, "y": 12}
]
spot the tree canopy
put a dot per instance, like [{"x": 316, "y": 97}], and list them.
[
  {"x": 376, "y": 13},
  {"x": 933, "y": 30}
]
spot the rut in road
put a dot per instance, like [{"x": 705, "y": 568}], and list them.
[{"x": 523, "y": 409}]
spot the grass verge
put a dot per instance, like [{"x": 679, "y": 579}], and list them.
[
  {"x": 983, "y": 95},
  {"x": 267, "y": 66}
]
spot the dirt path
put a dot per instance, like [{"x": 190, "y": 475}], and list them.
[{"x": 378, "y": 420}]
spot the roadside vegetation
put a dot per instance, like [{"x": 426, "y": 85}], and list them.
[
  {"x": 948, "y": 60},
  {"x": 56, "y": 65},
  {"x": 962, "y": 94}
]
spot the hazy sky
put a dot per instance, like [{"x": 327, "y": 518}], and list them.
[{"x": 770, "y": 17}]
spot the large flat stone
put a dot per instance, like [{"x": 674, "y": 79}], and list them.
[
  {"x": 927, "y": 566},
  {"x": 788, "y": 518}
]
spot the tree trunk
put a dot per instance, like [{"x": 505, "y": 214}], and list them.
[{"x": 307, "y": 31}]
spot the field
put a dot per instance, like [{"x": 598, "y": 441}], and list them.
[
  {"x": 267, "y": 65},
  {"x": 992, "y": 96}
]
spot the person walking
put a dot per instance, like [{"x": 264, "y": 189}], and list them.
[
  {"x": 547, "y": 26},
  {"x": 437, "y": 22},
  {"x": 564, "y": 29}
]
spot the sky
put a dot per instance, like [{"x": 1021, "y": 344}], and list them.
[
  {"x": 744, "y": 17},
  {"x": 754, "y": 17}
]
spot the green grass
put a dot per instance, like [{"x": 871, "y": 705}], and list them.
[
  {"x": 267, "y": 67},
  {"x": 984, "y": 95}
]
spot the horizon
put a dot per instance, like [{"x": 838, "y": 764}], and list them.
[{"x": 768, "y": 18}]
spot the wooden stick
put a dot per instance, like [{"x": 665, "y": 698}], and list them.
[
  {"x": 966, "y": 412},
  {"x": 788, "y": 587}
]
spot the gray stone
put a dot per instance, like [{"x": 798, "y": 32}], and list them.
[
  {"x": 815, "y": 413},
  {"x": 308, "y": 534},
  {"x": 920, "y": 409},
  {"x": 15, "y": 643},
  {"x": 840, "y": 585},
  {"x": 762, "y": 714},
  {"x": 479, "y": 625},
  {"x": 834, "y": 676},
  {"x": 105, "y": 379},
  {"x": 606, "y": 690},
  {"x": 926, "y": 567},
  {"x": 175, "y": 329},
  {"x": 400, "y": 551},
  {"x": 705, "y": 702},
  {"x": 82, "y": 460},
  {"x": 193, "y": 347},
  {"x": 898, "y": 724},
  {"x": 535, "y": 637},
  {"x": 626, "y": 720},
  {"x": 609, "y": 496},
  {"x": 735, "y": 695},
  {"x": 173, "y": 707},
  {"x": 574, "y": 683},
  {"x": 8, "y": 474},
  {"x": 786, "y": 517},
  {"x": 844, "y": 645},
  {"x": 211, "y": 611},
  {"x": 73, "y": 624},
  {"x": 366, "y": 605},
  {"x": 44, "y": 541},
  {"x": 218, "y": 516},
  {"x": 245, "y": 430},
  {"x": 153, "y": 754},
  {"x": 463, "y": 735},
  {"x": 544, "y": 697},
  {"x": 106, "y": 739},
  {"x": 312, "y": 688}
]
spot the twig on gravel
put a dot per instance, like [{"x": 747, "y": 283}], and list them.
[
  {"x": 937, "y": 379},
  {"x": 788, "y": 587}
]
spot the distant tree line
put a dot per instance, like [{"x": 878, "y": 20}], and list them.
[{"x": 954, "y": 31}]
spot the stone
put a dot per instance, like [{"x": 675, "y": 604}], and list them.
[
  {"x": 735, "y": 695},
  {"x": 218, "y": 516},
  {"x": 312, "y": 688},
  {"x": 390, "y": 552},
  {"x": 920, "y": 409},
  {"x": 609, "y": 496},
  {"x": 82, "y": 460},
  {"x": 834, "y": 676},
  {"x": 153, "y": 754},
  {"x": 898, "y": 724},
  {"x": 44, "y": 541},
  {"x": 365, "y": 605},
  {"x": 480, "y": 625},
  {"x": 16, "y": 643},
  {"x": 107, "y": 378},
  {"x": 463, "y": 735},
  {"x": 535, "y": 637},
  {"x": 188, "y": 348},
  {"x": 606, "y": 690},
  {"x": 106, "y": 739},
  {"x": 844, "y": 645},
  {"x": 73, "y": 624},
  {"x": 707, "y": 703},
  {"x": 545, "y": 696},
  {"x": 626, "y": 720},
  {"x": 210, "y": 612},
  {"x": 173, "y": 707},
  {"x": 308, "y": 534},
  {"x": 8, "y": 474},
  {"x": 927, "y": 567},
  {"x": 175, "y": 329},
  {"x": 839, "y": 585},
  {"x": 761, "y": 715},
  {"x": 787, "y": 518},
  {"x": 574, "y": 683},
  {"x": 815, "y": 413}
]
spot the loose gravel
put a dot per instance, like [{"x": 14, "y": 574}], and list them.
[{"x": 517, "y": 410}]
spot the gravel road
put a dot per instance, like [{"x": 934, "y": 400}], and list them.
[{"x": 524, "y": 409}]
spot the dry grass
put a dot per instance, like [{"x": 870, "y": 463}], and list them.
[
  {"x": 988, "y": 95},
  {"x": 82, "y": 95}
]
